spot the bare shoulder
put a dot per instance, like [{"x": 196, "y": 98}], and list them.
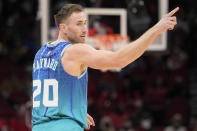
[
  {"x": 70, "y": 59},
  {"x": 76, "y": 50},
  {"x": 79, "y": 47}
]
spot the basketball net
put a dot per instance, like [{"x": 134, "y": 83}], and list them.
[{"x": 111, "y": 42}]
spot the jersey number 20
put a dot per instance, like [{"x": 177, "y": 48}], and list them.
[{"x": 47, "y": 83}]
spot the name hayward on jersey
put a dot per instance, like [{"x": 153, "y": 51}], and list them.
[
  {"x": 45, "y": 63},
  {"x": 57, "y": 94}
]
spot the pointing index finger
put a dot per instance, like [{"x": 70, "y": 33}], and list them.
[{"x": 171, "y": 13}]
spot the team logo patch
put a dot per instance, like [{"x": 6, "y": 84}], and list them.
[{"x": 49, "y": 53}]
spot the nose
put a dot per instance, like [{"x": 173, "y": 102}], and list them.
[{"x": 84, "y": 29}]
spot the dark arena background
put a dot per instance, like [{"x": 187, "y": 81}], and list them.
[{"x": 157, "y": 92}]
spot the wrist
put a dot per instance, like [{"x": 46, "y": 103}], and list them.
[{"x": 155, "y": 30}]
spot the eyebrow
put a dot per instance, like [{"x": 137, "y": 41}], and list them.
[{"x": 82, "y": 21}]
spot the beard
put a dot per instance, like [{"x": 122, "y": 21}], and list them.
[{"x": 76, "y": 40}]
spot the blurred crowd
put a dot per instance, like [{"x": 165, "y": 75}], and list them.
[{"x": 154, "y": 93}]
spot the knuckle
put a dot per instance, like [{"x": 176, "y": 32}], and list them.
[{"x": 174, "y": 18}]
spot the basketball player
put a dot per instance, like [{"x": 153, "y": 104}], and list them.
[{"x": 60, "y": 70}]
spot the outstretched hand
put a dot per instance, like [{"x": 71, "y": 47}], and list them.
[{"x": 167, "y": 22}]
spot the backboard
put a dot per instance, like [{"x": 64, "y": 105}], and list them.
[{"x": 160, "y": 44}]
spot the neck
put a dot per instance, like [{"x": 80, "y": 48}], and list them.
[{"x": 63, "y": 37}]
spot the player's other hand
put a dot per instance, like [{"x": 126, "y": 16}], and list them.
[
  {"x": 167, "y": 22},
  {"x": 90, "y": 121}
]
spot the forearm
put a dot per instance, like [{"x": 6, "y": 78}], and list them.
[{"x": 135, "y": 49}]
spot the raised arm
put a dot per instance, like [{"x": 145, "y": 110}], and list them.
[
  {"x": 102, "y": 59},
  {"x": 135, "y": 49}
]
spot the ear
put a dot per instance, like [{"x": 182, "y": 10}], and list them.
[{"x": 63, "y": 28}]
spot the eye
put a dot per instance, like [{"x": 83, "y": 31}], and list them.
[{"x": 78, "y": 23}]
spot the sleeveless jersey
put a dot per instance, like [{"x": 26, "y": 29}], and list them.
[{"x": 56, "y": 94}]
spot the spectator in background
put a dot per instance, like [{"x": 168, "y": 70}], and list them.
[
  {"x": 18, "y": 123},
  {"x": 177, "y": 60},
  {"x": 155, "y": 98},
  {"x": 106, "y": 124},
  {"x": 194, "y": 127},
  {"x": 146, "y": 123},
  {"x": 178, "y": 103},
  {"x": 127, "y": 126},
  {"x": 141, "y": 118},
  {"x": 139, "y": 19},
  {"x": 28, "y": 116},
  {"x": 119, "y": 115},
  {"x": 3, "y": 125},
  {"x": 100, "y": 28},
  {"x": 176, "y": 124}
]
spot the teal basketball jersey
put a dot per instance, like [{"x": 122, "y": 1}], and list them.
[{"x": 56, "y": 94}]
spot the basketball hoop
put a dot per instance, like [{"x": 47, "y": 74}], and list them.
[
  {"x": 108, "y": 42},
  {"x": 111, "y": 42}
]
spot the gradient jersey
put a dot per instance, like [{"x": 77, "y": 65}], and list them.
[{"x": 56, "y": 94}]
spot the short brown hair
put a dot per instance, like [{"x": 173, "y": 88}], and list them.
[{"x": 66, "y": 11}]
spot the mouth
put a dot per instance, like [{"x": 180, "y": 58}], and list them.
[{"x": 83, "y": 37}]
